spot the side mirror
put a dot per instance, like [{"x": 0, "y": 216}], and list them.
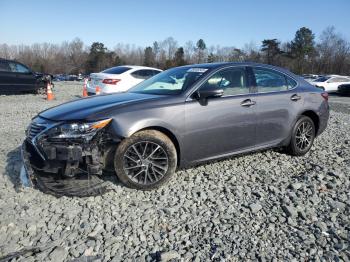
[{"x": 205, "y": 93}]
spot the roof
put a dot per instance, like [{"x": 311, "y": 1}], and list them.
[
  {"x": 138, "y": 67},
  {"x": 225, "y": 64},
  {"x": 8, "y": 60}
]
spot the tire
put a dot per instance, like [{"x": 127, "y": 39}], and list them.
[
  {"x": 146, "y": 160},
  {"x": 297, "y": 147}
]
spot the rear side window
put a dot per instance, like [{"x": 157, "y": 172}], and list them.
[
  {"x": 116, "y": 70},
  {"x": 291, "y": 83},
  {"x": 155, "y": 72},
  {"x": 143, "y": 74},
  {"x": 4, "y": 66},
  {"x": 272, "y": 81}
]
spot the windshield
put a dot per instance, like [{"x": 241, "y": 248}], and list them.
[
  {"x": 170, "y": 82},
  {"x": 322, "y": 79}
]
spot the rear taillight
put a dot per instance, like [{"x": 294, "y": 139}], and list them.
[
  {"x": 325, "y": 95},
  {"x": 110, "y": 81}
]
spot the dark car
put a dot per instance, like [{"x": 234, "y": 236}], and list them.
[
  {"x": 180, "y": 117},
  {"x": 344, "y": 89},
  {"x": 16, "y": 78}
]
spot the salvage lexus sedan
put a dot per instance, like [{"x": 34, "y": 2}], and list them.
[{"x": 180, "y": 117}]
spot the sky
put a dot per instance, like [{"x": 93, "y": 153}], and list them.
[{"x": 218, "y": 22}]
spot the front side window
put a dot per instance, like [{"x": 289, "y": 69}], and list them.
[
  {"x": 269, "y": 80},
  {"x": 170, "y": 82},
  {"x": 232, "y": 81},
  {"x": 18, "y": 68}
]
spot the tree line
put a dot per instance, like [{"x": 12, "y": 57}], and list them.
[{"x": 330, "y": 54}]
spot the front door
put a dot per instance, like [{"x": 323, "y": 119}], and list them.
[
  {"x": 25, "y": 79},
  {"x": 224, "y": 124}
]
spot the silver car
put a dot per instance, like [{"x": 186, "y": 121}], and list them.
[{"x": 180, "y": 117}]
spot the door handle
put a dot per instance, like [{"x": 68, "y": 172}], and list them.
[
  {"x": 248, "y": 103},
  {"x": 295, "y": 97}
]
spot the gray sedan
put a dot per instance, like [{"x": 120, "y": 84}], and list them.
[{"x": 180, "y": 117}]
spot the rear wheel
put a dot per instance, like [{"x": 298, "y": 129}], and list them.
[
  {"x": 303, "y": 135},
  {"x": 146, "y": 160}
]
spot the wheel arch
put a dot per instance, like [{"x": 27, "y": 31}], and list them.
[
  {"x": 314, "y": 117},
  {"x": 169, "y": 134}
]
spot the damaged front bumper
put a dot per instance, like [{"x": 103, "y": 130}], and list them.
[
  {"x": 80, "y": 185},
  {"x": 71, "y": 167},
  {"x": 27, "y": 172}
]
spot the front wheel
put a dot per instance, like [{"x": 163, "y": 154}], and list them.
[
  {"x": 146, "y": 160},
  {"x": 303, "y": 135}
]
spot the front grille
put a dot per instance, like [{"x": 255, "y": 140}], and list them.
[{"x": 34, "y": 129}]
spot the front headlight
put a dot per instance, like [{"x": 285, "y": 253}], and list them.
[{"x": 77, "y": 130}]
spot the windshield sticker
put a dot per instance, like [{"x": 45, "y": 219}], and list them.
[{"x": 197, "y": 70}]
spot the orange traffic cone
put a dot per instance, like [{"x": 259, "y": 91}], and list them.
[
  {"x": 98, "y": 90},
  {"x": 84, "y": 88},
  {"x": 49, "y": 93}
]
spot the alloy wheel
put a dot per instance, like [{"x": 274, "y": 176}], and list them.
[
  {"x": 145, "y": 162},
  {"x": 304, "y": 135}
]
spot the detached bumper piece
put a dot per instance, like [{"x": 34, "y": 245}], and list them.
[{"x": 60, "y": 174}]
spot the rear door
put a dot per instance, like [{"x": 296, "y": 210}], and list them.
[
  {"x": 25, "y": 79},
  {"x": 224, "y": 124},
  {"x": 277, "y": 102}
]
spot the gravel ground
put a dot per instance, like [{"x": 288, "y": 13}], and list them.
[{"x": 261, "y": 206}]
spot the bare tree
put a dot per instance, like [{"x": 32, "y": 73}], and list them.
[
  {"x": 330, "y": 54},
  {"x": 170, "y": 46},
  {"x": 334, "y": 52}
]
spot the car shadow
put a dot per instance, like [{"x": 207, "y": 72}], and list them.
[
  {"x": 13, "y": 167},
  {"x": 338, "y": 95},
  {"x": 109, "y": 180}
]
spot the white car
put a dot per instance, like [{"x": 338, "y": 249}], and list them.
[
  {"x": 310, "y": 77},
  {"x": 331, "y": 83},
  {"x": 119, "y": 79}
]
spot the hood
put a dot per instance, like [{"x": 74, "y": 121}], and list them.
[{"x": 86, "y": 108}]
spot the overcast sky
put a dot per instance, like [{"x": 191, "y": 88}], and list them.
[{"x": 219, "y": 22}]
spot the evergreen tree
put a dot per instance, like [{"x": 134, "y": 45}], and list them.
[
  {"x": 201, "y": 46},
  {"x": 302, "y": 48},
  {"x": 97, "y": 57},
  {"x": 211, "y": 58},
  {"x": 179, "y": 57},
  {"x": 271, "y": 49},
  {"x": 149, "y": 57},
  {"x": 303, "y": 44}
]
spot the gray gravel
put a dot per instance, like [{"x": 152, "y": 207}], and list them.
[
  {"x": 261, "y": 206},
  {"x": 340, "y": 103}
]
